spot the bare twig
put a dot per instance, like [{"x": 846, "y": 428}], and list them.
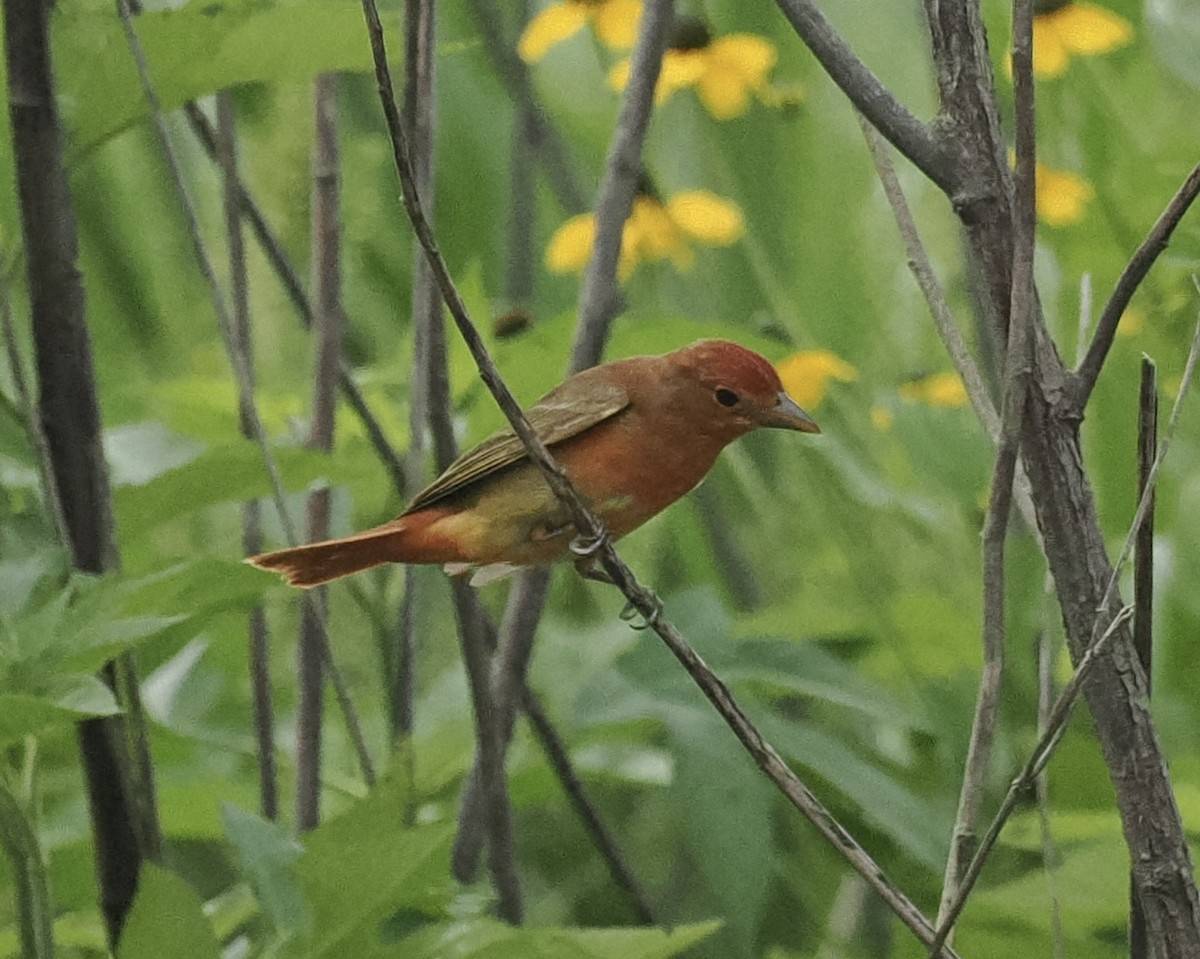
[
  {"x": 1143, "y": 600},
  {"x": 943, "y": 317},
  {"x": 258, "y": 652},
  {"x": 1033, "y": 767},
  {"x": 640, "y": 598},
  {"x": 1045, "y": 658},
  {"x": 1084, "y": 380},
  {"x": 995, "y": 531},
  {"x": 1103, "y": 632},
  {"x": 600, "y": 297},
  {"x": 246, "y": 405},
  {"x": 911, "y": 137}
]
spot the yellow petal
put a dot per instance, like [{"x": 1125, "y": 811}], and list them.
[
  {"x": 1132, "y": 322},
  {"x": 707, "y": 217},
  {"x": 723, "y": 92},
  {"x": 1088, "y": 29},
  {"x": 680, "y": 69},
  {"x": 752, "y": 57},
  {"x": 552, "y": 26},
  {"x": 617, "y": 22},
  {"x": 655, "y": 234},
  {"x": 1062, "y": 197},
  {"x": 618, "y": 76},
  {"x": 571, "y": 244},
  {"x": 806, "y": 375},
  {"x": 1049, "y": 53},
  {"x": 938, "y": 389}
]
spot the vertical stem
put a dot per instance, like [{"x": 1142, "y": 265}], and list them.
[
  {"x": 258, "y": 639},
  {"x": 1143, "y": 598},
  {"x": 327, "y": 332},
  {"x": 124, "y": 825}
]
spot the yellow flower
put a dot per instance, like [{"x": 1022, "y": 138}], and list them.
[
  {"x": 724, "y": 71},
  {"x": 615, "y": 23},
  {"x": 1061, "y": 197},
  {"x": 1084, "y": 29},
  {"x": 937, "y": 389},
  {"x": 806, "y": 375},
  {"x": 654, "y": 231}
]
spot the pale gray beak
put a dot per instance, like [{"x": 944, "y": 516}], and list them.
[{"x": 787, "y": 415}]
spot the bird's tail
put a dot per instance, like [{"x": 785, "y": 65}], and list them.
[{"x": 318, "y": 563}]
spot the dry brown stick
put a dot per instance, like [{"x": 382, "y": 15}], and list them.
[
  {"x": 1143, "y": 598},
  {"x": 1084, "y": 379},
  {"x": 246, "y": 402},
  {"x": 640, "y": 598},
  {"x": 258, "y": 640},
  {"x": 1017, "y": 371}
]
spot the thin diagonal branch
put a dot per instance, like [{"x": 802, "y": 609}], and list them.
[
  {"x": 1018, "y": 361},
  {"x": 642, "y": 599},
  {"x": 873, "y": 100},
  {"x": 1131, "y": 277}
]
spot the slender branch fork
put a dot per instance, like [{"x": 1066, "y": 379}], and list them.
[{"x": 642, "y": 599}]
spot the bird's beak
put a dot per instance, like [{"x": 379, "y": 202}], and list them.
[{"x": 787, "y": 415}]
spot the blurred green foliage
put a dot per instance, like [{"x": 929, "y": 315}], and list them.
[{"x": 859, "y": 654}]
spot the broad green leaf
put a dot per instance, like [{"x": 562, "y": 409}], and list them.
[
  {"x": 267, "y": 852},
  {"x": 66, "y": 700},
  {"x": 167, "y": 919}
]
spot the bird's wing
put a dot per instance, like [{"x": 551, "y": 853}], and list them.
[{"x": 561, "y": 414}]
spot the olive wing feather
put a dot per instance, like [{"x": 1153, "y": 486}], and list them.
[{"x": 561, "y": 414}]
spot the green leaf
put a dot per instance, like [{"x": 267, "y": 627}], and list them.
[
  {"x": 363, "y": 866},
  {"x": 65, "y": 701},
  {"x": 267, "y": 853},
  {"x": 489, "y": 939},
  {"x": 167, "y": 919}
]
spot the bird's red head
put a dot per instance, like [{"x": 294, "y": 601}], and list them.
[{"x": 744, "y": 386}]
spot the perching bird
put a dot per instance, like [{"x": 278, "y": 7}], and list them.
[{"x": 633, "y": 435}]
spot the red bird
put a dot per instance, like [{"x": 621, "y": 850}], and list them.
[{"x": 634, "y": 435}]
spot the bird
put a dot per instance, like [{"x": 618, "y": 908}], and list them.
[{"x": 633, "y": 435}]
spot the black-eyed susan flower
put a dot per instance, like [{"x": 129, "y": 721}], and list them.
[
  {"x": 655, "y": 231},
  {"x": 807, "y": 374},
  {"x": 1061, "y": 197},
  {"x": 725, "y": 71},
  {"x": 615, "y": 23},
  {"x": 1065, "y": 28},
  {"x": 944, "y": 390}
]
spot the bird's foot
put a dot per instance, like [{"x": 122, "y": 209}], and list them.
[
  {"x": 630, "y": 613},
  {"x": 587, "y": 546}
]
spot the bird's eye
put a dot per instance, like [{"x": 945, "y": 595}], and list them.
[{"x": 726, "y": 397}]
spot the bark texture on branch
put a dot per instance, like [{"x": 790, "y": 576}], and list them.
[{"x": 1063, "y": 498}]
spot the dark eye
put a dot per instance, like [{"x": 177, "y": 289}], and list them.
[{"x": 726, "y": 397}]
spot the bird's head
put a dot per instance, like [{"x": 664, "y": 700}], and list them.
[{"x": 743, "y": 388}]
